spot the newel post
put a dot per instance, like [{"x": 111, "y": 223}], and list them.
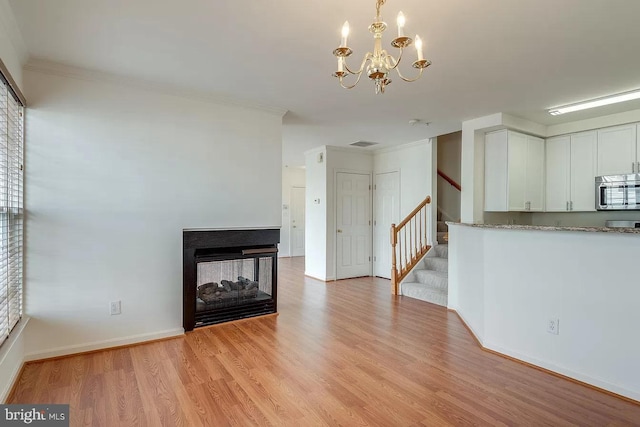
[{"x": 394, "y": 269}]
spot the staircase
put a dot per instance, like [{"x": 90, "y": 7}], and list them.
[
  {"x": 429, "y": 281},
  {"x": 443, "y": 229}
]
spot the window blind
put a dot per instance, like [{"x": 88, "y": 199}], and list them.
[{"x": 11, "y": 209}]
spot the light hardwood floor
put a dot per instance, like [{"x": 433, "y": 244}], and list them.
[{"x": 340, "y": 353}]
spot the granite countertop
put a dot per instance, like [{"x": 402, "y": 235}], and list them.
[{"x": 550, "y": 228}]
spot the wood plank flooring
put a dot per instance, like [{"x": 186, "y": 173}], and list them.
[{"x": 340, "y": 353}]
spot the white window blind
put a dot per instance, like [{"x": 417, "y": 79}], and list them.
[{"x": 11, "y": 210}]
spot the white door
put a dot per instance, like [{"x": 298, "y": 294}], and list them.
[
  {"x": 297, "y": 221},
  {"x": 386, "y": 197},
  {"x": 353, "y": 225}
]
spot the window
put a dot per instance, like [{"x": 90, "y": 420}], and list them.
[{"x": 11, "y": 207}]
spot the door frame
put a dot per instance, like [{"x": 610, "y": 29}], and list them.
[
  {"x": 335, "y": 217},
  {"x": 291, "y": 255},
  {"x": 374, "y": 213}
]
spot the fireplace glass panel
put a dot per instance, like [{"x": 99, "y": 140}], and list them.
[{"x": 235, "y": 282}]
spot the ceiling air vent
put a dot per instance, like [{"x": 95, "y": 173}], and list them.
[{"x": 363, "y": 144}]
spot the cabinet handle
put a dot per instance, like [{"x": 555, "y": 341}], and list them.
[
  {"x": 567, "y": 205},
  {"x": 633, "y": 167},
  {"x": 571, "y": 205}
]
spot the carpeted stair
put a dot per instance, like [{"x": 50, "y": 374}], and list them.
[{"x": 429, "y": 281}]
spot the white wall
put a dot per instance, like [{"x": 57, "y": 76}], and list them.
[
  {"x": 507, "y": 284},
  {"x": 291, "y": 177},
  {"x": 315, "y": 248},
  {"x": 341, "y": 160},
  {"x": 113, "y": 175},
  {"x": 12, "y": 351},
  {"x": 414, "y": 163}
]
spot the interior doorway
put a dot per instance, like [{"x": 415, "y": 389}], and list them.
[
  {"x": 297, "y": 224},
  {"x": 386, "y": 212},
  {"x": 353, "y": 225}
]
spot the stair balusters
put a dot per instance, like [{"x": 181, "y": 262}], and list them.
[{"x": 408, "y": 251}]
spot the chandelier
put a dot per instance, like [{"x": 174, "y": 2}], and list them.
[{"x": 379, "y": 63}]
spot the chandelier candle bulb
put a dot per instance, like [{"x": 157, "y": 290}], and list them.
[
  {"x": 345, "y": 34},
  {"x": 401, "y": 22},
  {"x": 419, "y": 48}
]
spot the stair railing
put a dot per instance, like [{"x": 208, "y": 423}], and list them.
[{"x": 408, "y": 243}]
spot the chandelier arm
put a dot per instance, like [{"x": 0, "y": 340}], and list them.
[
  {"x": 409, "y": 80},
  {"x": 394, "y": 63},
  {"x": 353, "y": 85},
  {"x": 364, "y": 61}
]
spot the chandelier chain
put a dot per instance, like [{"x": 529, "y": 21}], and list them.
[{"x": 379, "y": 4}]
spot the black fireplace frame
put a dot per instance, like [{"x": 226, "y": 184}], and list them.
[{"x": 200, "y": 245}]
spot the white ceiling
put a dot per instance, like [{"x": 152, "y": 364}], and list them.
[{"x": 514, "y": 56}]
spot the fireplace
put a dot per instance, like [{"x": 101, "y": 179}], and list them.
[{"x": 228, "y": 275}]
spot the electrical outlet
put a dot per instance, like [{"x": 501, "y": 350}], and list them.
[
  {"x": 553, "y": 326},
  {"x": 115, "y": 307}
]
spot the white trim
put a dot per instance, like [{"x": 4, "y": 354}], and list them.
[
  {"x": 105, "y": 344},
  {"x": 57, "y": 69},
  {"x": 7, "y": 347},
  {"x": 359, "y": 150},
  {"x": 383, "y": 150},
  {"x": 566, "y": 372}
]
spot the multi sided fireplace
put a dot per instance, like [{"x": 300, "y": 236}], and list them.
[{"x": 228, "y": 275}]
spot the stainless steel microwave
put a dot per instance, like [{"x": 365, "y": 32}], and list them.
[{"x": 618, "y": 192}]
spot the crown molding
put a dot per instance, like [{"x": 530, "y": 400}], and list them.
[
  {"x": 383, "y": 150},
  {"x": 358, "y": 150},
  {"x": 44, "y": 66}
]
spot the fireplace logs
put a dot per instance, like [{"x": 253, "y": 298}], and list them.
[{"x": 212, "y": 292}]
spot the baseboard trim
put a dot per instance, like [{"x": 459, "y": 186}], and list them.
[
  {"x": 540, "y": 368},
  {"x": 14, "y": 383},
  {"x": 111, "y": 344}
]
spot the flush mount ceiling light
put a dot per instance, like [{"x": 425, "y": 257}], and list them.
[
  {"x": 607, "y": 100},
  {"x": 380, "y": 63}
]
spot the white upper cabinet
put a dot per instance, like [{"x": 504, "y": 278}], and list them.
[
  {"x": 570, "y": 172},
  {"x": 558, "y": 174},
  {"x": 617, "y": 150},
  {"x": 514, "y": 172},
  {"x": 583, "y": 171}
]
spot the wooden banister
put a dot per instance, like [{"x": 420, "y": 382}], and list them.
[
  {"x": 406, "y": 252},
  {"x": 449, "y": 180}
]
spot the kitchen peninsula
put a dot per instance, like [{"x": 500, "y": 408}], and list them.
[{"x": 508, "y": 282}]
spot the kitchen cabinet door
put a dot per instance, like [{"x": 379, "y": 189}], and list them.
[
  {"x": 534, "y": 181},
  {"x": 583, "y": 171},
  {"x": 495, "y": 172},
  {"x": 558, "y": 174},
  {"x": 517, "y": 171},
  {"x": 617, "y": 150},
  {"x": 514, "y": 172}
]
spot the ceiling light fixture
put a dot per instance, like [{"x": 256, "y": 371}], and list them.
[
  {"x": 380, "y": 62},
  {"x": 607, "y": 100}
]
